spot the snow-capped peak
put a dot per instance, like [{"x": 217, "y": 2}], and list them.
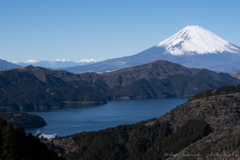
[
  {"x": 88, "y": 60},
  {"x": 61, "y": 60},
  {"x": 83, "y": 60},
  {"x": 30, "y": 61},
  {"x": 195, "y": 39}
]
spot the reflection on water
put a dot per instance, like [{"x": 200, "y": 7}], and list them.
[{"x": 77, "y": 119}]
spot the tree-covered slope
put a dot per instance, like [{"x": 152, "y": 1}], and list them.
[
  {"x": 21, "y": 89},
  {"x": 172, "y": 86},
  {"x": 15, "y": 144},
  {"x": 21, "y": 119},
  {"x": 131, "y": 142},
  {"x": 159, "y": 79}
]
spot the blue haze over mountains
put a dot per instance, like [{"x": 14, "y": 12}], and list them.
[
  {"x": 4, "y": 65},
  {"x": 58, "y": 63},
  {"x": 193, "y": 47}
]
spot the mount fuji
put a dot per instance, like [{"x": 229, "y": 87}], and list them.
[{"x": 193, "y": 46}]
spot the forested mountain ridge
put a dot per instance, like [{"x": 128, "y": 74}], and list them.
[
  {"x": 220, "y": 108},
  {"x": 21, "y": 89},
  {"x": 154, "y": 70},
  {"x": 36, "y": 87},
  {"x": 158, "y": 79},
  {"x": 208, "y": 123}
]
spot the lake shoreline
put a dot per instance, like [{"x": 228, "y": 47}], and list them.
[{"x": 68, "y": 121}]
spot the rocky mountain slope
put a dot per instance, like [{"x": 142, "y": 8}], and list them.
[
  {"x": 205, "y": 127},
  {"x": 236, "y": 74},
  {"x": 193, "y": 47}
]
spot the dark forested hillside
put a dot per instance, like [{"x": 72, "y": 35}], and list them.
[
  {"x": 21, "y": 89},
  {"x": 16, "y": 145},
  {"x": 158, "y": 79},
  {"x": 21, "y": 119},
  {"x": 131, "y": 142},
  {"x": 153, "y": 80},
  {"x": 35, "y": 87}
]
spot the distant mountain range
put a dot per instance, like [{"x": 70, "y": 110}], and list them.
[
  {"x": 236, "y": 74},
  {"x": 5, "y": 65},
  {"x": 58, "y": 63},
  {"x": 193, "y": 47},
  {"x": 36, "y": 87}
]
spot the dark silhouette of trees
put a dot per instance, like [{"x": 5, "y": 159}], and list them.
[
  {"x": 16, "y": 145},
  {"x": 138, "y": 141}
]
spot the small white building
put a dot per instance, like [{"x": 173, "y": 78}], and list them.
[{"x": 47, "y": 136}]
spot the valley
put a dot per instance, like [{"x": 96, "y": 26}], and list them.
[{"x": 207, "y": 123}]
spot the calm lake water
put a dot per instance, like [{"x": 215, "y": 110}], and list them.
[{"x": 69, "y": 121}]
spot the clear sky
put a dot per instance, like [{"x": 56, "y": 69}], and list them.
[{"x": 104, "y": 29}]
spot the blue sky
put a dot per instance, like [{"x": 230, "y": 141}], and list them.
[{"x": 81, "y": 29}]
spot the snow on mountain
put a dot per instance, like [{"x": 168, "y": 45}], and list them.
[
  {"x": 193, "y": 47},
  {"x": 88, "y": 60},
  {"x": 195, "y": 39},
  {"x": 57, "y": 63},
  {"x": 61, "y": 60},
  {"x": 15, "y": 62},
  {"x": 31, "y": 61}
]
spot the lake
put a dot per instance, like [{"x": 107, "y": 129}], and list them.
[{"x": 69, "y": 121}]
